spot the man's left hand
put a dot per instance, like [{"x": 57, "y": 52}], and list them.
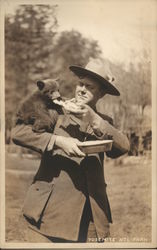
[{"x": 89, "y": 114}]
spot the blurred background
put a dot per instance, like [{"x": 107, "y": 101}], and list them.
[{"x": 41, "y": 41}]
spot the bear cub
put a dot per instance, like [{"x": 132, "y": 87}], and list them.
[{"x": 38, "y": 109}]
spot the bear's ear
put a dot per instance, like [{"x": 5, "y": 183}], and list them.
[{"x": 40, "y": 85}]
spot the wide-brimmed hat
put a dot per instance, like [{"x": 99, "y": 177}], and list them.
[{"x": 97, "y": 70}]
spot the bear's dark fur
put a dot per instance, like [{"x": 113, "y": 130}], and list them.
[{"x": 38, "y": 109}]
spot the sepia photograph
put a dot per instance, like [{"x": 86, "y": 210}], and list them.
[{"x": 78, "y": 124}]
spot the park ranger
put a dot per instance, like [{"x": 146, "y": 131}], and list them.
[{"x": 67, "y": 200}]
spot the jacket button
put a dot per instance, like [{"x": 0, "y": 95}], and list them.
[{"x": 37, "y": 189}]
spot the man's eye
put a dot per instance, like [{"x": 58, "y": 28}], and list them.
[{"x": 90, "y": 87}]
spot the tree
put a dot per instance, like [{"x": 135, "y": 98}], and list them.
[
  {"x": 71, "y": 48},
  {"x": 134, "y": 85},
  {"x": 29, "y": 38}
]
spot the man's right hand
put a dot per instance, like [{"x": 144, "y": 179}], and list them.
[{"x": 69, "y": 146}]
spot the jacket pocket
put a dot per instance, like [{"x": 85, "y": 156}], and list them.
[{"x": 36, "y": 199}]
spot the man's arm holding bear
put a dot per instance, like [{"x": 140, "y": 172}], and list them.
[{"x": 23, "y": 135}]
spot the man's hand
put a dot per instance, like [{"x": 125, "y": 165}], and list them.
[
  {"x": 70, "y": 106},
  {"x": 88, "y": 114},
  {"x": 69, "y": 146}
]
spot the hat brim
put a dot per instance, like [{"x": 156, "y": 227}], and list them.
[{"x": 80, "y": 71}]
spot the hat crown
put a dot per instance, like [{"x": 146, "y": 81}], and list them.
[{"x": 99, "y": 67}]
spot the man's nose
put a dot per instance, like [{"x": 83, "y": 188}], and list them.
[{"x": 83, "y": 90}]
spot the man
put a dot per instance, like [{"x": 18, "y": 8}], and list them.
[{"x": 67, "y": 201}]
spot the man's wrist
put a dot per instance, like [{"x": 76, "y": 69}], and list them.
[
  {"x": 95, "y": 121},
  {"x": 99, "y": 126}
]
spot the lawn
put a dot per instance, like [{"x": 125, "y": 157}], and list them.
[{"x": 129, "y": 191}]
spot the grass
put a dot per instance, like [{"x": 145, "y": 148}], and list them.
[{"x": 129, "y": 191}]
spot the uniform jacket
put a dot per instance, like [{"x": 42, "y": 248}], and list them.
[{"x": 56, "y": 198}]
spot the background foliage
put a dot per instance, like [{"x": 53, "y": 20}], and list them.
[{"x": 34, "y": 50}]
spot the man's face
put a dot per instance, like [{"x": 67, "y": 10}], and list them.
[{"x": 88, "y": 91}]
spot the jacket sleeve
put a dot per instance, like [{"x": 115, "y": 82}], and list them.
[
  {"x": 23, "y": 135},
  {"x": 103, "y": 128}
]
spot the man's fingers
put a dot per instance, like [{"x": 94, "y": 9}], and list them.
[
  {"x": 76, "y": 111},
  {"x": 75, "y": 140},
  {"x": 69, "y": 146},
  {"x": 75, "y": 151},
  {"x": 78, "y": 152},
  {"x": 72, "y": 107}
]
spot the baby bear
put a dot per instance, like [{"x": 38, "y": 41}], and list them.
[{"x": 38, "y": 109}]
